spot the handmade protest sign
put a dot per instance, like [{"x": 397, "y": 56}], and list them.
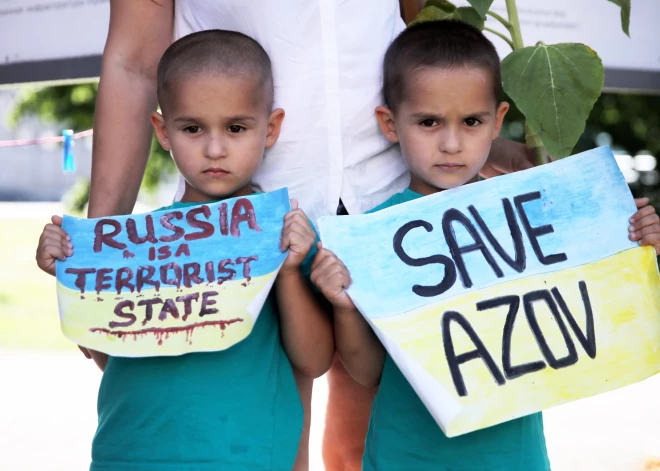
[
  {"x": 170, "y": 282},
  {"x": 508, "y": 296}
]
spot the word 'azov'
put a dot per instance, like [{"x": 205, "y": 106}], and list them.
[{"x": 553, "y": 300}]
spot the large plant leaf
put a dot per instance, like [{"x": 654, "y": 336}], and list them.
[
  {"x": 555, "y": 87},
  {"x": 466, "y": 14},
  {"x": 625, "y": 14},
  {"x": 482, "y": 6},
  {"x": 444, "y": 5}
]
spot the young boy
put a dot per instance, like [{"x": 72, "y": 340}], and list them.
[
  {"x": 442, "y": 92},
  {"x": 238, "y": 408}
]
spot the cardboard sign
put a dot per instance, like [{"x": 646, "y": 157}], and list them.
[
  {"x": 170, "y": 282},
  {"x": 509, "y": 296}
]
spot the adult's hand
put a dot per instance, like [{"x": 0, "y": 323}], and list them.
[
  {"x": 507, "y": 157},
  {"x": 85, "y": 352}
]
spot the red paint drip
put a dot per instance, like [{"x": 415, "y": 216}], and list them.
[{"x": 164, "y": 332}]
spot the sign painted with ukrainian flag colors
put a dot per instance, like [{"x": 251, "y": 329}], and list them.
[
  {"x": 175, "y": 281},
  {"x": 508, "y": 296}
]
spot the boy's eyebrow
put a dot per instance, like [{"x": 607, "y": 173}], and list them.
[
  {"x": 185, "y": 119},
  {"x": 241, "y": 118},
  {"x": 426, "y": 115},
  {"x": 480, "y": 114},
  {"x": 231, "y": 118}
]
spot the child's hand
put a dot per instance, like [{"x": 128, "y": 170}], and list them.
[
  {"x": 54, "y": 244},
  {"x": 297, "y": 236},
  {"x": 331, "y": 277},
  {"x": 645, "y": 225}
]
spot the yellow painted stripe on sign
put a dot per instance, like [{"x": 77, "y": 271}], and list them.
[
  {"x": 624, "y": 294},
  {"x": 87, "y": 321}
]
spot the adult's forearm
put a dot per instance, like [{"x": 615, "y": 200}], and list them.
[
  {"x": 306, "y": 329},
  {"x": 122, "y": 139},
  {"x": 127, "y": 96},
  {"x": 358, "y": 347}
]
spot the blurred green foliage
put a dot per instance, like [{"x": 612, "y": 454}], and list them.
[
  {"x": 72, "y": 106},
  {"x": 632, "y": 123}
]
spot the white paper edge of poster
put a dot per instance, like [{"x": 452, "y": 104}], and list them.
[
  {"x": 442, "y": 406},
  {"x": 257, "y": 303}
]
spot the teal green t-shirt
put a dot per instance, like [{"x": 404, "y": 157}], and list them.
[
  {"x": 404, "y": 436},
  {"x": 236, "y": 409}
]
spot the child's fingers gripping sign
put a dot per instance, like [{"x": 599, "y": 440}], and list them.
[
  {"x": 645, "y": 225},
  {"x": 297, "y": 236},
  {"x": 54, "y": 244},
  {"x": 331, "y": 277}
]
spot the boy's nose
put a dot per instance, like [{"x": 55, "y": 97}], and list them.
[
  {"x": 216, "y": 148},
  {"x": 451, "y": 142}
]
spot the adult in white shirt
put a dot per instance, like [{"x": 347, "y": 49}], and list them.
[{"x": 326, "y": 57}]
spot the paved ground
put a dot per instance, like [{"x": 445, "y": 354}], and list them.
[
  {"x": 48, "y": 414},
  {"x": 48, "y": 411}
]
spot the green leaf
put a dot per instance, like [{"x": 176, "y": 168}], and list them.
[
  {"x": 625, "y": 14},
  {"x": 429, "y": 14},
  {"x": 471, "y": 17},
  {"x": 444, "y": 5},
  {"x": 77, "y": 197},
  {"x": 555, "y": 87},
  {"x": 482, "y": 6},
  {"x": 465, "y": 14}
]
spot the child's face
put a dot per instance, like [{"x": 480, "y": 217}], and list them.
[
  {"x": 445, "y": 124},
  {"x": 217, "y": 128}
]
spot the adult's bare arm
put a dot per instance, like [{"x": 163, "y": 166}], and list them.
[{"x": 139, "y": 33}]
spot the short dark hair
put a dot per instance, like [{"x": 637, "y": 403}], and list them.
[
  {"x": 215, "y": 51},
  {"x": 443, "y": 44}
]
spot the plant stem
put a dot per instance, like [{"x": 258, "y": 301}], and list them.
[
  {"x": 512, "y": 10},
  {"x": 504, "y": 22},
  {"x": 496, "y": 33},
  {"x": 534, "y": 142}
]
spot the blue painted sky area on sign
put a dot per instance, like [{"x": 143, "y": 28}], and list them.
[
  {"x": 269, "y": 208},
  {"x": 584, "y": 197}
]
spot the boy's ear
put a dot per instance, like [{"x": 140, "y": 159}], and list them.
[
  {"x": 499, "y": 118},
  {"x": 385, "y": 118},
  {"x": 274, "y": 127},
  {"x": 159, "y": 128}
]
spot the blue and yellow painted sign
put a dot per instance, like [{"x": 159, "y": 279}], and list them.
[
  {"x": 171, "y": 282},
  {"x": 509, "y": 296}
]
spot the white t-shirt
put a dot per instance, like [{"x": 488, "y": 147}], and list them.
[{"x": 327, "y": 63}]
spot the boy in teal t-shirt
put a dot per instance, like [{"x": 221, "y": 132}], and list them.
[
  {"x": 237, "y": 409},
  {"x": 442, "y": 91}
]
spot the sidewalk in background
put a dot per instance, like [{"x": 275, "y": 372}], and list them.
[{"x": 48, "y": 418}]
